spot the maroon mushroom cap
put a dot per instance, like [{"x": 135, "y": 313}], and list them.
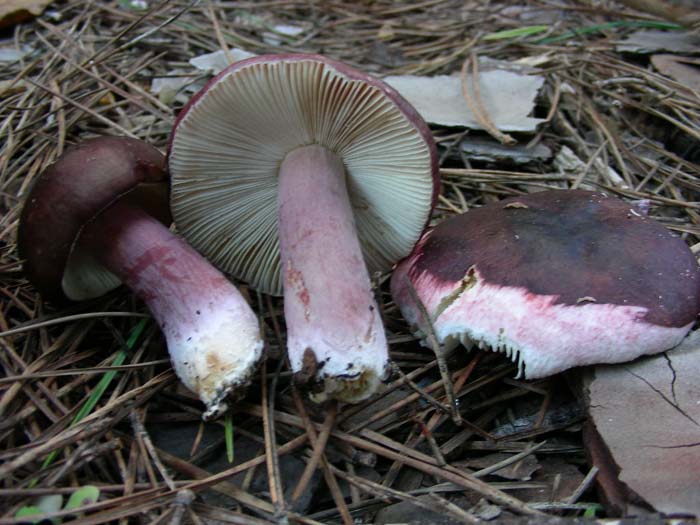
[
  {"x": 86, "y": 180},
  {"x": 555, "y": 279}
]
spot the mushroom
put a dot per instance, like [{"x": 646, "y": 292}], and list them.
[
  {"x": 554, "y": 279},
  {"x": 299, "y": 174},
  {"x": 97, "y": 217}
]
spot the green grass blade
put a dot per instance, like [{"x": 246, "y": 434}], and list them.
[
  {"x": 592, "y": 510},
  {"x": 516, "y": 33},
  {"x": 228, "y": 436},
  {"x": 101, "y": 387},
  {"x": 595, "y": 28},
  {"x": 85, "y": 495}
]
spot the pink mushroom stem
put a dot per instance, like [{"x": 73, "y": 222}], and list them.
[
  {"x": 334, "y": 330},
  {"x": 213, "y": 336}
]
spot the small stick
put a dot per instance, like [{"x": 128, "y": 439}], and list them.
[
  {"x": 142, "y": 434},
  {"x": 427, "y": 397},
  {"x": 319, "y": 448},
  {"x": 32, "y": 325},
  {"x": 583, "y": 486},
  {"x": 183, "y": 500},
  {"x": 426, "y": 432},
  {"x": 475, "y": 104},
  {"x": 509, "y": 461},
  {"x": 437, "y": 350},
  {"x": 328, "y": 475},
  {"x": 219, "y": 34},
  {"x": 354, "y": 492},
  {"x": 271, "y": 457},
  {"x": 375, "y": 488},
  {"x": 542, "y": 414}
]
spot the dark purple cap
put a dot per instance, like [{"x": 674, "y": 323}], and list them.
[
  {"x": 74, "y": 190},
  {"x": 555, "y": 261}
]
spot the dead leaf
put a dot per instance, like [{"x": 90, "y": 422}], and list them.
[
  {"x": 15, "y": 11},
  {"x": 644, "y": 430},
  {"x": 508, "y": 93},
  {"x": 683, "y": 70},
  {"x": 217, "y": 61},
  {"x": 489, "y": 150},
  {"x": 654, "y": 41}
]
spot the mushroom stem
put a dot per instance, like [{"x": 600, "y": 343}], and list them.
[
  {"x": 212, "y": 334},
  {"x": 334, "y": 331}
]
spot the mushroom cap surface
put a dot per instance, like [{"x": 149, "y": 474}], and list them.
[
  {"x": 230, "y": 140},
  {"x": 71, "y": 192},
  {"x": 555, "y": 279}
]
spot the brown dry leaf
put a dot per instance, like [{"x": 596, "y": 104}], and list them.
[
  {"x": 15, "y": 11},
  {"x": 644, "y": 430},
  {"x": 684, "y": 70}
]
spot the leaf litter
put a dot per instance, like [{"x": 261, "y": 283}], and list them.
[{"x": 612, "y": 123}]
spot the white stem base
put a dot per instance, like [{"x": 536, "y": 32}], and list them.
[
  {"x": 335, "y": 332},
  {"x": 213, "y": 335}
]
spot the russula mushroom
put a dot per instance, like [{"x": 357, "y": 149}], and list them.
[
  {"x": 554, "y": 279},
  {"x": 97, "y": 217},
  {"x": 299, "y": 174}
]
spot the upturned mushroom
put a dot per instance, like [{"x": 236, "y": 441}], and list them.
[
  {"x": 554, "y": 279},
  {"x": 98, "y": 217},
  {"x": 300, "y": 174}
]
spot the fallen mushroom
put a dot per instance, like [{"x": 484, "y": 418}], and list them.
[
  {"x": 555, "y": 279},
  {"x": 97, "y": 217},
  {"x": 297, "y": 173}
]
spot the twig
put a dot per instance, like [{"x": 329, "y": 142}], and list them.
[
  {"x": 68, "y": 319},
  {"x": 332, "y": 483},
  {"x": 272, "y": 459},
  {"x": 475, "y": 103},
  {"x": 437, "y": 350},
  {"x": 583, "y": 486},
  {"x": 318, "y": 450},
  {"x": 509, "y": 461},
  {"x": 142, "y": 435}
]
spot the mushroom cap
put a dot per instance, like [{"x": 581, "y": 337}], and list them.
[
  {"x": 555, "y": 279},
  {"x": 81, "y": 184},
  {"x": 228, "y": 143}
]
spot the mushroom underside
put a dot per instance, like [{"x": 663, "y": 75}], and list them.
[{"x": 228, "y": 146}]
